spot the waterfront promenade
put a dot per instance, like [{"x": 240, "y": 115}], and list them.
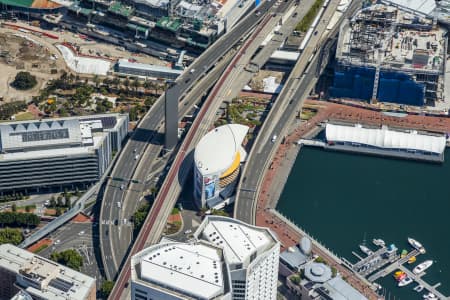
[{"x": 277, "y": 173}]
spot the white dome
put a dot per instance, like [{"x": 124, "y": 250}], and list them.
[{"x": 216, "y": 151}]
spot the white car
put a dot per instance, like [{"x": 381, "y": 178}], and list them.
[
  {"x": 188, "y": 231},
  {"x": 81, "y": 232},
  {"x": 57, "y": 242}
]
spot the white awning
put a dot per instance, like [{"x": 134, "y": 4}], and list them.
[{"x": 384, "y": 138}]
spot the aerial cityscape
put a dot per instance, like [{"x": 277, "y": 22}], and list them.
[{"x": 224, "y": 149}]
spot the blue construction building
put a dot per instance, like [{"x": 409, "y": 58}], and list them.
[{"x": 386, "y": 54}]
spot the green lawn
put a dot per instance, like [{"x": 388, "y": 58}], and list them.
[
  {"x": 24, "y": 116},
  {"x": 21, "y": 3}
]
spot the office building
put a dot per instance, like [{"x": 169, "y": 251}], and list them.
[
  {"x": 251, "y": 253},
  {"x": 217, "y": 160},
  {"x": 35, "y": 155},
  {"x": 173, "y": 270},
  {"x": 40, "y": 278}
]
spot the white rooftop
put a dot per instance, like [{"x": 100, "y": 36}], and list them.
[
  {"x": 53, "y": 278},
  {"x": 425, "y": 7},
  {"x": 124, "y": 63},
  {"x": 285, "y": 55},
  {"x": 385, "y": 138},
  {"x": 217, "y": 150},
  {"x": 194, "y": 269},
  {"x": 239, "y": 240}
]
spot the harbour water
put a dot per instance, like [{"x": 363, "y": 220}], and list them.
[{"x": 342, "y": 199}]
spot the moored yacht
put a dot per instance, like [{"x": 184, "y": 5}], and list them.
[
  {"x": 365, "y": 250},
  {"x": 422, "y": 267},
  {"x": 416, "y": 245},
  {"x": 405, "y": 281}
]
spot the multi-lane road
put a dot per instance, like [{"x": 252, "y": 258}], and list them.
[
  {"x": 289, "y": 101},
  {"x": 166, "y": 198},
  {"x": 147, "y": 136}
]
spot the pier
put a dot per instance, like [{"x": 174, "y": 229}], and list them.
[
  {"x": 384, "y": 262},
  {"x": 375, "y": 261}
]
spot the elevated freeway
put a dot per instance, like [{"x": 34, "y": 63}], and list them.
[
  {"x": 155, "y": 222},
  {"x": 288, "y": 103},
  {"x": 145, "y": 142}
]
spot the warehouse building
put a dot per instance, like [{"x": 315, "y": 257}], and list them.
[
  {"x": 389, "y": 54},
  {"x": 146, "y": 70},
  {"x": 25, "y": 274},
  {"x": 35, "y": 155},
  {"x": 217, "y": 160}
]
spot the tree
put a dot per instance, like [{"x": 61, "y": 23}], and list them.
[
  {"x": 70, "y": 258},
  {"x": 60, "y": 201},
  {"x": 24, "y": 81},
  {"x": 14, "y": 208},
  {"x": 126, "y": 83},
  {"x": 10, "y": 236},
  {"x": 106, "y": 288},
  {"x": 28, "y": 208},
  {"x": 133, "y": 114},
  {"x": 58, "y": 211},
  {"x": 68, "y": 203},
  {"x": 53, "y": 202}
]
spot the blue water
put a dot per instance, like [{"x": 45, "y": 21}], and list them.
[{"x": 340, "y": 198}]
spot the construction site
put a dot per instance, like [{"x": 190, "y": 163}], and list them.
[
  {"x": 21, "y": 53},
  {"x": 385, "y": 54}
]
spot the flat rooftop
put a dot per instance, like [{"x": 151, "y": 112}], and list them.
[
  {"x": 124, "y": 63},
  {"x": 55, "y": 137},
  {"x": 54, "y": 280},
  {"x": 394, "y": 38},
  {"x": 193, "y": 269},
  {"x": 239, "y": 240}
]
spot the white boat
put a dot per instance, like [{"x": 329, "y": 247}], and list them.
[
  {"x": 429, "y": 296},
  {"x": 416, "y": 245},
  {"x": 422, "y": 267},
  {"x": 378, "y": 242},
  {"x": 419, "y": 288},
  {"x": 365, "y": 250},
  {"x": 405, "y": 281}
]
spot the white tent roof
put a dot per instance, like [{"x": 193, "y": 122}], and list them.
[{"x": 384, "y": 138}]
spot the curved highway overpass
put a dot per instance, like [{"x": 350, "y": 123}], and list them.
[{"x": 115, "y": 240}]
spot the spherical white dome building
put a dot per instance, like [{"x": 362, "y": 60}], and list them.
[{"x": 217, "y": 160}]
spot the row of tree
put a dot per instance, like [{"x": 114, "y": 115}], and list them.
[{"x": 14, "y": 219}]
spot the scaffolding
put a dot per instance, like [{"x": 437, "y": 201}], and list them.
[{"x": 400, "y": 51}]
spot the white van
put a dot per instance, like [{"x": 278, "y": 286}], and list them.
[
  {"x": 274, "y": 138},
  {"x": 119, "y": 205}
]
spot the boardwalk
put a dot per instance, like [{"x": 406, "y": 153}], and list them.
[{"x": 286, "y": 154}]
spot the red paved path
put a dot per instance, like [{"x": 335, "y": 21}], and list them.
[{"x": 331, "y": 111}]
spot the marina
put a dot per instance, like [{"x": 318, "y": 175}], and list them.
[
  {"x": 362, "y": 181},
  {"x": 385, "y": 260}
]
